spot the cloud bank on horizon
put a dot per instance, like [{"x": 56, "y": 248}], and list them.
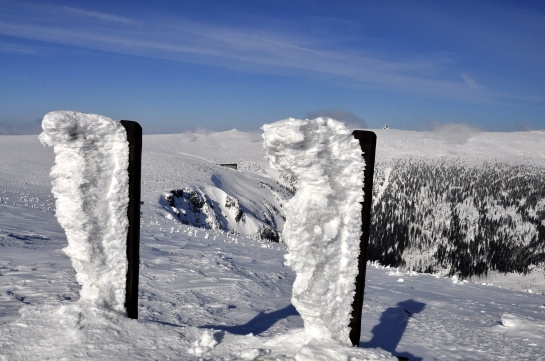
[{"x": 238, "y": 66}]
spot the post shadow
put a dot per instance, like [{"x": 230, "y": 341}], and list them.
[
  {"x": 259, "y": 324},
  {"x": 393, "y": 323}
]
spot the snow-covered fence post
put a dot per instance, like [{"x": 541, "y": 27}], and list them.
[
  {"x": 96, "y": 183},
  {"x": 90, "y": 182},
  {"x": 134, "y": 136},
  {"x": 368, "y": 141},
  {"x": 323, "y": 219}
]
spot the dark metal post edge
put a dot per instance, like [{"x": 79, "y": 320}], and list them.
[
  {"x": 134, "y": 137},
  {"x": 368, "y": 142}
]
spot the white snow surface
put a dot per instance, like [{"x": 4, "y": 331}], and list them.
[
  {"x": 211, "y": 295},
  {"x": 323, "y": 219},
  {"x": 510, "y": 147},
  {"x": 90, "y": 184}
]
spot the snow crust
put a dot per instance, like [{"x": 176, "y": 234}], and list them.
[
  {"x": 323, "y": 219},
  {"x": 90, "y": 184},
  {"x": 197, "y": 283},
  {"x": 524, "y": 328}
]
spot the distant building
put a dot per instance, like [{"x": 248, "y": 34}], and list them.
[{"x": 230, "y": 165}]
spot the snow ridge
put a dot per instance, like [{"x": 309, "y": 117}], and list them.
[
  {"x": 90, "y": 184},
  {"x": 323, "y": 219}
]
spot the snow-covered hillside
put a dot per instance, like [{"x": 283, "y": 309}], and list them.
[
  {"x": 207, "y": 293},
  {"x": 466, "y": 203},
  {"x": 460, "y": 204},
  {"x": 472, "y": 208}
]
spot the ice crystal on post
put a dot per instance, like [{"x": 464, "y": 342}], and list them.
[
  {"x": 323, "y": 219},
  {"x": 90, "y": 184}
]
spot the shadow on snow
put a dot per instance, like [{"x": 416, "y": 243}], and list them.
[
  {"x": 259, "y": 324},
  {"x": 393, "y": 323},
  {"x": 386, "y": 335}
]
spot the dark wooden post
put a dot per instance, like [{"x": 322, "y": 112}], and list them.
[
  {"x": 134, "y": 136},
  {"x": 368, "y": 142}
]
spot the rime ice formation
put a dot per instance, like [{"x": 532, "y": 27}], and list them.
[
  {"x": 323, "y": 219},
  {"x": 90, "y": 184}
]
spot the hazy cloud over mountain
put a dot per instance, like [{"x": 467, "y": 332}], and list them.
[
  {"x": 351, "y": 120},
  {"x": 17, "y": 129},
  {"x": 456, "y": 133}
]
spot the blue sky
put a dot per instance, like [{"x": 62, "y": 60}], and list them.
[{"x": 181, "y": 65}]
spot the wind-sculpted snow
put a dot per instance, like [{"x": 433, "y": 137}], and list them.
[
  {"x": 323, "y": 219},
  {"x": 90, "y": 184}
]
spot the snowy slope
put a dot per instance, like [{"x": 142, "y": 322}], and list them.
[
  {"x": 473, "y": 208},
  {"x": 194, "y": 280},
  {"x": 491, "y": 184},
  {"x": 245, "y": 201},
  {"x": 422, "y": 181},
  {"x": 512, "y": 147}
]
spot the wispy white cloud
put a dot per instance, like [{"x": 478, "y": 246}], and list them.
[
  {"x": 245, "y": 48},
  {"x": 98, "y": 15},
  {"x": 469, "y": 81},
  {"x": 10, "y": 48}
]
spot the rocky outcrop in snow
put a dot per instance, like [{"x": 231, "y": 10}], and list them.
[{"x": 211, "y": 208}]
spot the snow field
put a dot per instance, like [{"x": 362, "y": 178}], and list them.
[
  {"x": 204, "y": 291},
  {"x": 231, "y": 286},
  {"x": 92, "y": 159},
  {"x": 430, "y": 315}
]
